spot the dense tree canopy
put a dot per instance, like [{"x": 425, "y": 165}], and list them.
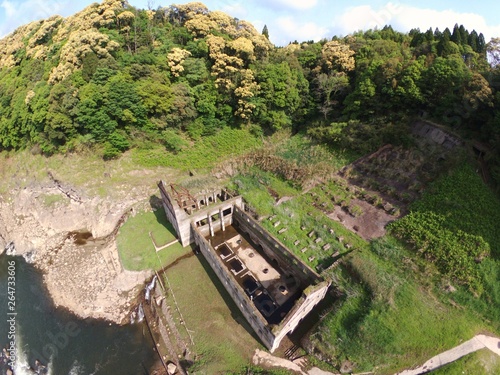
[{"x": 112, "y": 75}]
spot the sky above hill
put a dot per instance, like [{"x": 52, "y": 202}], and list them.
[{"x": 289, "y": 20}]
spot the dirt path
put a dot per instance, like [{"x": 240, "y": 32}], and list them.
[
  {"x": 476, "y": 343},
  {"x": 262, "y": 358}
]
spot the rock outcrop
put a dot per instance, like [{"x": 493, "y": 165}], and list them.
[{"x": 86, "y": 277}]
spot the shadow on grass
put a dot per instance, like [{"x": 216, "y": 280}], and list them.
[
  {"x": 235, "y": 312},
  {"x": 353, "y": 303},
  {"x": 311, "y": 321},
  {"x": 155, "y": 202},
  {"x": 327, "y": 262}
]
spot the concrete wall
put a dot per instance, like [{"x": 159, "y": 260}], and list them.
[
  {"x": 311, "y": 297},
  {"x": 275, "y": 249},
  {"x": 270, "y": 336},
  {"x": 435, "y": 134},
  {"x": 316, "y": 288},
  {"x": 170, "y": 211},
  {"x": 181, "y": 220},
  {"x": 207, "y": 212},
  {"x": 246, "y": 306}
]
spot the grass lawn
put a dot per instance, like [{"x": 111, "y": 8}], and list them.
[
  {"x": 482, "y": 362},
  {"x": 206, "y": 153},
  {"x": 390, "y": 318},
  {"x": 257, "y": 188},
  {"x": 304, "y": 151},
  {"x": 136, "y": 247},
  {"x": 298, "y": 216},
  {"x": 464, "y": 204},
  {"x": 223, "y": 340}
]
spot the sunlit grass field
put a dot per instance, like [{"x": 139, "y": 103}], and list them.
[{"x": 135, "y": 245}]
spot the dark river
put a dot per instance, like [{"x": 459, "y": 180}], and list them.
[{"x": 59, "y": 340}]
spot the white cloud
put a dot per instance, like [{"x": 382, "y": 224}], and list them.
[
  {"x": 290, "y": 4},
  {"x": 289, "y": 29},
  {"x": 405, "y": 17},
  {"x": 426, "y": 18},
  {"x": 10, "y": 10},
  {"x": 297, "y": 4},
  {"x": 236, "y": 10},
  {"x": 354, "y": 19}
]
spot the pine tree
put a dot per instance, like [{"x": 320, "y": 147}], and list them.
[
  {"x": 429, "y": 35},
  {"x": 473, "y": 40},
  {"x": 464, "y": 34},
  {"x": 444, "y": 47},
  {"x": 481, "y": 44},
  {"x": 446, "y": 33},
  {"x": 265, "y": 32},
  {"x": 418, "y": 39},
  {"x": 437, "y": 34},
  {"x": 456, "y": 37}
]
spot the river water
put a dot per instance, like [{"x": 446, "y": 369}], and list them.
[{"x": 64, "y": 343}]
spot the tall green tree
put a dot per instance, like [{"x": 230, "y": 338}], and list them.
[
  {"x": 280, "y": 94},
  {"x": 265, "y": 32}
]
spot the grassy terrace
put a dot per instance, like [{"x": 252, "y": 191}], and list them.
[
  {"x": 299, "y": 217},
  {"x": 223, "y": 340},
  {"x": 86, "y": 172},
  {"x": 385, "y": 318},
  {"x": 208, "y": 152},
  {"x": 135, "y": 245}
]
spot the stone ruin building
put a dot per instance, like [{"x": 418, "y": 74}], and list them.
[
  {"x": 436, "y": 134},
  {"x": 273, "y": 288}
]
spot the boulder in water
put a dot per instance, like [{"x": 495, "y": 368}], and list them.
[
  {"x": 10, "y": 249},
  {"x": 30, "y": 256}
]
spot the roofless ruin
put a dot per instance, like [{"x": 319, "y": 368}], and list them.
[{"x": 273, "y": 288}]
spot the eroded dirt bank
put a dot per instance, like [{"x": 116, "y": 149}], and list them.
[{"x": 40, "y": 208}]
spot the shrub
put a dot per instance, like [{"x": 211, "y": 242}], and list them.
[
  {"x": 173, "y": 141},
  {"x": 455, "y": 253},
  {"x": 356, "y": 210}
]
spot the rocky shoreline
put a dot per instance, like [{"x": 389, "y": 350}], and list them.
[{"x": 83, "y": 275}]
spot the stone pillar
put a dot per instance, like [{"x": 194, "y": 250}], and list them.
[
  {"x": 221, "y": 216},
  {"x": 210, "y": 224}
]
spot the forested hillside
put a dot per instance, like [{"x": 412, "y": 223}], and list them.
[{"x": 114, "y": 77}]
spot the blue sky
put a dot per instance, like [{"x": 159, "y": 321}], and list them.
[{"x": 289, "y": 20}]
